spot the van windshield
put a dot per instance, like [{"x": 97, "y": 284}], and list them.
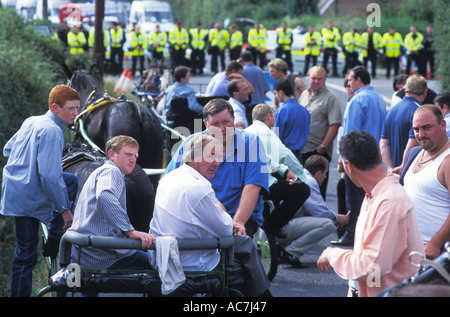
[{"x": 158, "y": 17}]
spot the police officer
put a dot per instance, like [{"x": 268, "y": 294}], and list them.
[
  {"x": 219, "y": 39},
  {"x": 179, "y": 39},
  {"x": 312, "y": 47},
  {"x": 117, "y": 37},
  {"x": 197, "y": 39},
  {"x": 371, "y": 43},
  {"x": 284, "y": 41},
  {"x": 156, "y": 42},
  {"x": 331, "y": 37},
  {"x": 414, "y": 50},
  {"x": 350, "y": 41},
  {"x": 76, "y": 39},
  {"x": 257, "y": 40},
  {"x": 236, "y": 42},
  {"x": 138, "y": 44},
  {"x": 392, "y": 43}
]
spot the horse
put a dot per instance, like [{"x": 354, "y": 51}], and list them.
[
  {"x": 81, "y": 160},
  {"x": 104, "y": 117},
  {"x": 431, "y": 280}
]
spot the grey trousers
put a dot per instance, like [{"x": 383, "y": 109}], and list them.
[{"x": 303, "y": 233}]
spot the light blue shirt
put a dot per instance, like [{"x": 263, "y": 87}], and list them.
[
  {"x": 315, "y": 205},
  {"x": 33, "y": 184},
  {"x": 243, "y": 164},
  {"x": 257, "y": 79},
  {"x": 366, "y": 112},
  {"x": 182, "y": 90},
  {"x": 102, "y": 211},
  {"x": 293, "y": 120},
  {"x": 279, "y": 157},
  {"x": 239, "y": 112},
  {"x": 447, "y": 121},
  {"x": 218, "y": 86}
]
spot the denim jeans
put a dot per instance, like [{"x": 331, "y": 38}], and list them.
[
  {"x": 137, "y": 261},
  {"x": 27, "y": 239},
  {"x": 56, "y": 223},
  {"x": 25, "y": 256}
]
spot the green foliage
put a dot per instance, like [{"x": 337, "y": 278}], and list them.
[
  {"x": 442, "y": 41},
  {"x": 30, "y": 65}
]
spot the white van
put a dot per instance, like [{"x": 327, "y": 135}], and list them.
[
  {"x": 52, "y": 10},
  {"x": 26, "y": 9},
  {"x": 149, "y": 13}
]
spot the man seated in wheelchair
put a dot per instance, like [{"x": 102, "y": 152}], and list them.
[
  {"x": 101, "y": 211},
  {"x": 151, "y": 79},
  {"x": 186, "y": 207}
]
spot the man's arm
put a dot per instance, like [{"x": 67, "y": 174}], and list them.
[
  {"x": 386, "y": 154},
  {"x": 249, "y": 197},
  {"x": 329, "y": 138},
  {"x": 433, "y": 247}
]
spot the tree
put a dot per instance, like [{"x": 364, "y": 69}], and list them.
[{"x": 299, "y": 7}]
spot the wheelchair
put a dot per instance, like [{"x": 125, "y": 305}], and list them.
[{"x": 72, "y": 279}]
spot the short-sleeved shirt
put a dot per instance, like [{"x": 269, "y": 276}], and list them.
[
  {"x": 257, "y": 79},
  {"x": 218, "y": 86},
  {"x": 325, "y": 109},
  {"x": 243, "y": 164},
  {"x": 239, "y": 112},
  {"x": 398, "y": 129},
  {"x": 366, "y": 112},
  {"x": 293, "y": 121}
]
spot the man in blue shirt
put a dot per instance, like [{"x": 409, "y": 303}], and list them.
[
  {"x": 239, "y": 94},
  {"x": 366, "y": 112},
  {"x": 181, "y": 89},
  {"x": 256, "y": 77},
  {"x": 33, "y": 184},
  {"x": 291, "y": 119},
  {"x": 218, "y": 86},
  {"x": 241, "y": 176},
  {"x": 398, "y": 135}
]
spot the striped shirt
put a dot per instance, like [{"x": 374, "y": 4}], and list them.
[
  {"x": 33, "y": 183},
  {"x": 101, "y": 211}
]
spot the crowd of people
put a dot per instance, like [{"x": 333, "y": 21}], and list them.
[{"x": 394, "y": 165}]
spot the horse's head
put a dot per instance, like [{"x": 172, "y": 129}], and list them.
[{"x": 87, "y": 87}]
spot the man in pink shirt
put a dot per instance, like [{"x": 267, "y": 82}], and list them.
[{"x": 386, "y": 231}]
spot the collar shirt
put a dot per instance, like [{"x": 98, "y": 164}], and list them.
[
  {"x": 182, "y": 90},
  {"x": 243, "y": 164},
  {"x": 293, "y": 122},
  {"x": 239, "y": 112},
  {"x": 186, "y": 207},
  {"x": 218, "y": 86},
  {"x": 367, "y": 112},
  {"x": 315, "y": 205},
  {"x": 398, "y": 129},
  {"x": 33, "y": 184},
  {"x": 386, "y": 233},
  {"x": 101, "y": 210},
  {"x": 279, "y": 157},
  {"x": 325, "y": 109},
  {"x": 257, "y": 79}
]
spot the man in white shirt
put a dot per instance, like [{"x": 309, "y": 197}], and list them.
[
  {"x": 186, "y": 207},
  {"x": 239, "y": 93},
  {"x": 442, "y": 100},
  {"x": 287, "y": 189}
]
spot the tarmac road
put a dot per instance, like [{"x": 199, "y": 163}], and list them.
[{"x": 310, "y": 282}]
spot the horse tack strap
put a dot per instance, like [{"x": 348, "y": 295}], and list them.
[
  {"x": 97, "y": 104},
  {"x": 427, "y": 263}
]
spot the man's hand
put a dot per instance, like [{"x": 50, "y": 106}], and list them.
[
  {"x": 68, "y": 218},
  {"x": 146, "y": 238}
]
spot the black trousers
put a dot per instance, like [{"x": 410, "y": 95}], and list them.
[
  {"x": 197, "y": 61},
  {"x": 392, "y": 61},
  {"x": 217, "y": 53},
  {"x": 135, "y": 59},
  {"x": 286, "y": 56},
  {"x": 287, "y": 198},
  {"x": 327, "y": 53},
  {"x": 247, "y": 272}
]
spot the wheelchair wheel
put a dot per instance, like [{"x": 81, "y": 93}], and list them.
[{"x": 268, "y": 251}]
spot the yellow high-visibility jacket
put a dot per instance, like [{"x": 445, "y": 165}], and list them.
[
  {"x": 411, "y": 44},
  {"x": 331, "y": 37},
  {"x": 177, "y": 36},
  {"x": 392, "y": 44},
  {"x": 351, "y": 42},
  {"x": 76, "y": 42},
  {"x": 364, "y": 42},
  {"x": 136, "y": 41},
  {"x": 284, "y": 38},
  {"x": 159, "y": 39},
  {"x": 237, "y": 39},
  {"x": 219, "y": 38},
  {"x": 198, "y": 38},
  {"x": 258, "y": 39},
  {"x": 313, "y": 49}
]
